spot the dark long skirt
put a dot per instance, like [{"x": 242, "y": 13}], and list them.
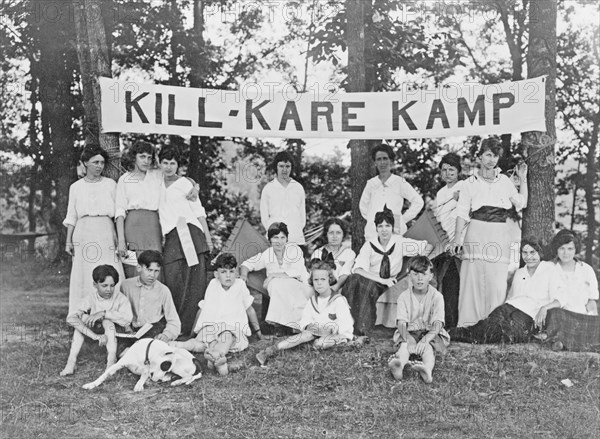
[
  {"x": 187, "y": 284},
  {"x": 577, "y": 332},
  {"x": 505, "y": 324},
  {"x": 447, "y": 269},
  {"x": 362, "y": 295}
]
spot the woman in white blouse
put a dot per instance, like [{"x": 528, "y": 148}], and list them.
[
  {"x": 287, "y": 278},
  {"x": 571, "y": 321},
  {"x": 335, "y": 251},
  {"x": 283, "y": 199},
  {"x": 139, "y": 193},
  {"x": 483, "y": 208},
  {"x": 91, "y": 237},
  {"x": 187, "y": 243},
  {"x": 532, "y": 291},
  {"x": 388, "y": 189}
]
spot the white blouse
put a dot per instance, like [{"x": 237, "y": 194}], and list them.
[
  {"x": 445, "y": 208},
  {"x": 133, "y": 193},
  {"x": 333, "y": 310},
  {"x": 529, "y": 293},
  {"x": 477, "y": 192},
  {"x": 344, "y": 260},
  {"x": 293, "y": 262},
  {"x": 225, "y": 307},
  {"x": 176, "y": 205},
  {"x": 392, "y": 193},
  {"x": 369, "y": 260},
  {"x": 90, "y": 199},
  {"x": 284, "y": 204},
  {"x": 577, "y": 287}
]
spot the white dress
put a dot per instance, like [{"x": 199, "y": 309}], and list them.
[
  {"x": 284, "y": 204},
  {"x": 90, "y": 211},
  {"x": 487, "y": 247},
  {"x": 288, "y": 295}
]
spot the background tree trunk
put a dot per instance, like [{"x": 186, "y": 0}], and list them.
[
  {"x": 196, "y": 168},
  {"x": 94, "y": 58},
  {"x": 539, "y": 216},
  {"x": 359, "y": 149},
  {"x": 56, "y": 78},
  {"x": 591, "y": 177}
]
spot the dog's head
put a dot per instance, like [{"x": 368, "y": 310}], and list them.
[{"x": 181, "y": 363}]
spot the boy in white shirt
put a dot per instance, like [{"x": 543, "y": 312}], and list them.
[
  {"x": 225, "y": 312},
  {"x": 420, "y": 323}
]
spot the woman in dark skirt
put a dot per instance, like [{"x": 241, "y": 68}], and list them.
[
  {"x": 139, "y": 192},
  {"x": 188, "y": 242},
  {"x": 571, "y": 321}
]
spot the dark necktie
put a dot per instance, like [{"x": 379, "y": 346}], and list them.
[
  {"x": 328, "y": 257},
  {"x": 384, "y": 270}
]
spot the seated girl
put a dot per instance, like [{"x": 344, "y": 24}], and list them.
[
  {"x": 286, "y": 277},
  {"x": 222, "y": 325},
  {"x": 572, "y": 320},
  {"x": 326, "y": 318},
  {"x": 335, "y": 231},
  {"x": 531, "y": 291},
  {"x": 99, "y": 316},
  {"x": 376, "y": 268}
]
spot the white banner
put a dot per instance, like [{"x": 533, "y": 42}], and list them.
[{"x": 264, "y": 111}]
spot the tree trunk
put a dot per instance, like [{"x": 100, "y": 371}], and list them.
[
  {"x": 94, "y": 59},
  {"x": 196, "y": 62},
  {"x": 359, "y": 149},
  {"x": 56, "y": 79},
  {"x": 590, "y": 180},
  {"x": 539, "y": 216},
  {"x": 33, "y": 145}
]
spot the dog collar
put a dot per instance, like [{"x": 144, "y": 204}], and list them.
[{"x": 147, "y": 359}]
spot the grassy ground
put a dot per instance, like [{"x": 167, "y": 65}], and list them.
[{"x": 478, "y": 391}]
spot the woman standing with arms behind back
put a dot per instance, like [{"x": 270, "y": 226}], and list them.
[
  {"x": 283, "y": 199},
  {"x": 483, "y": 208},
  {"x": 139, "y": 193},
  {"x": 91, "y": 237}
]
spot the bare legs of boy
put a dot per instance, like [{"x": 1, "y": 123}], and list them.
[
  {"x": 217, "y": 351},
  {"x": 424, "y": 367},
  {"x": 398, "y": 361},
  {"x": 108, "y": 339}
]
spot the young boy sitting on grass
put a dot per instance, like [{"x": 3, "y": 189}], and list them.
[
  {"x": 151, "y": 300},
  {"x": 98, "y": 316},
  {"x": 326, "y": 319},
  {"x": 420, "y": 322},
  {"x": 225, "y": 312}
]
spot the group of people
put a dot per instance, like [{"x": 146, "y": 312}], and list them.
[{"x": 333, "y": 301}]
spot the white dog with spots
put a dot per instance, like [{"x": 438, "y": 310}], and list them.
[{"x": 154, "y": 359}]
